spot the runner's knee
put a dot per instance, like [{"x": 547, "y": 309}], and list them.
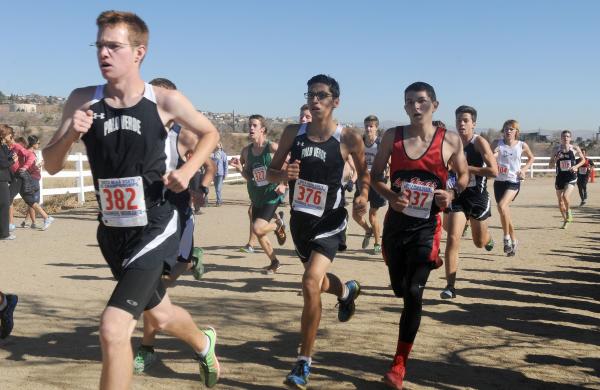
[
  {"x": 114, "y": 332},
  {"x": 311, "y": 285}
]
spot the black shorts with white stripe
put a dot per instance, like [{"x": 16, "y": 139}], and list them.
[
  {"x": 136, "y": 257},
  {"x": 473, "y": 204},
  {"x": 325, "y": 234}
]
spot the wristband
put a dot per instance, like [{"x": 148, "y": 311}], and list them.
[{"x": 203, "y": 189}]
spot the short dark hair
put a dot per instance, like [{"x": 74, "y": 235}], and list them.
[
  {"x": 259, "y": 118},
  {"x": 467, "y": 110},
  {"x": 421, "y": 86},
  {"x": 333, "y": 85},
  {"x": 304, "y": 107},
  {"x": 163, "y": 83},
  {"x": 32, "y": 140},
  {"x": 6, "y": 130},
  {"x": 565, "y": 132},
  {"x": 439, "y": 124},
  {"x": 371, "y": 118}
]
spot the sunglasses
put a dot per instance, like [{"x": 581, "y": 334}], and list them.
[{"x": 319, "y": 95}]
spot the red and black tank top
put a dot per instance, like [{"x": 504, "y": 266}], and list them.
[{"x": 418, "y": 179}]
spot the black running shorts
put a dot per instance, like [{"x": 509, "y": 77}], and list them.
[
  {"x": 562, "y": 181},
  {"x": 136, "y": 257},
  {"x": 325, "y": 234},
  {"x": 474, "y": 204},
  {"x": 500, "y": 187},
  {"x": 266, "y": 211},
  {"x": 376, "y": 201},
  {"x": 401, "y": 248}
]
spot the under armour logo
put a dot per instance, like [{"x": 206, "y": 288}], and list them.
[{"x": 101, "y": 116}]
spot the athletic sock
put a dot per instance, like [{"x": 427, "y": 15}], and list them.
[
  {"x": 345, "y": 292},
  {"x": 507, "y": 237},
  {"x": 204, "y": 352},
  {"x": 307, "y": 359}
]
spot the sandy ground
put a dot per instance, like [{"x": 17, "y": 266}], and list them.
[{"x": 524, "y": 322}]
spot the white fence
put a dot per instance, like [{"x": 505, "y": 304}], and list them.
[
  {"x": 540, "y": 165},
  {"x": 79, "y": 174}
]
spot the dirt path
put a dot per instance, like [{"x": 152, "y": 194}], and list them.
[{"x": 526, "y": 322}]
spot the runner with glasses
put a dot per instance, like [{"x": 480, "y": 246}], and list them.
[
  {"x": 124, "y": 126},
  {"x": 318, "y": 218}
]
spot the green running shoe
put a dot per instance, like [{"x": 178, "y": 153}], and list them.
[
  {"x": 376, "y": 249},
  {"x": 209, "y": 365},
  {"x": 569, "y": 216},
  {"x": 490, "y": 245},
  {"x": 144, "y": 358},
  {"x": 246, "y": 249},
  {"x": 197, "y": 263},
  {"x": 367, "y": 239}
]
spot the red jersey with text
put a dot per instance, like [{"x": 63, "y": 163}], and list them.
[{"x": 417, "y": 179}]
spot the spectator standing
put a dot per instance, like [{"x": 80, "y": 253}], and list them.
[
  {"x": 220, "y": 159},
  {"x": 5, "y": 179},
  {"x": 31, "y": 192}
]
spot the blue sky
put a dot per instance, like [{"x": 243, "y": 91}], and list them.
[{"x": 535, "y": 61}]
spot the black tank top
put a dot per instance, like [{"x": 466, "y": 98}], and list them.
[
  {"x": 127, "y": 142},
  {"x": 564, "y": 162},
  {"x": 320, "y": 162},
  {"x": 174, "y": 161},
  {"x": 475, "y": 159}
]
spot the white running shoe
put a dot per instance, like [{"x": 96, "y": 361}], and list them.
[{"x": 47, "y": 222}]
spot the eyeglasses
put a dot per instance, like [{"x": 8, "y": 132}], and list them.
[
  {"x": 110, "y": 46},
  {"x": 319, "y": 95}
]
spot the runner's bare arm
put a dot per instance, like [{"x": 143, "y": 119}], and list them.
[
  {"x": 495, "y": 150},
  {"x": 530, "y": 158},
  {"x": 76, "y": 120},
  {"x": 454, "y": 147},
  {"x": 356, "y": 158},
  {"x": 241, "y": 166},
  {"x": 210, "y": 169},
  {"x": 283, "y": 184},
  {"x": 491, "y": 166},
  {"x": 378, "y": 182},
  {"x": 276, "y": 173},
  {"x": 186, "y": 142},
  {"x": 352, "y": 166},
  {"x": 575, "y": 167},
  {"x": 552, "y": 161},
  {"x": 173, "y": 106}
]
